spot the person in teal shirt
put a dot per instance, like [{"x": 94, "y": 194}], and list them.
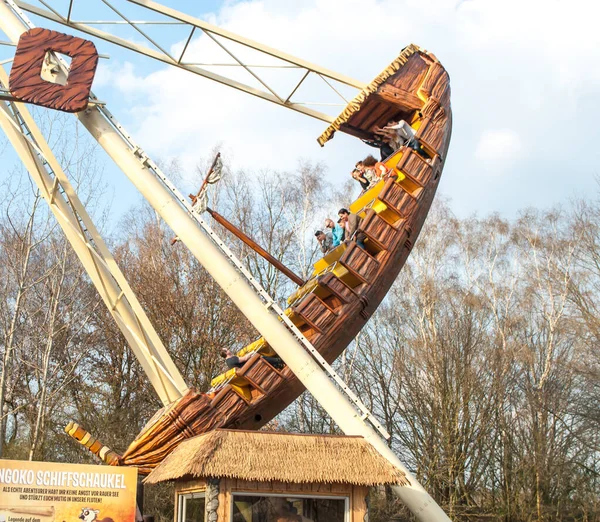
[{"x": 337, "y": 232}]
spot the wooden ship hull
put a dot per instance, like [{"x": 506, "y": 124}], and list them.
[{"x": 348, "y": 284}]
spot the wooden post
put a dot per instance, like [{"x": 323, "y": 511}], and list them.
[{"x": 254, "y": 246}]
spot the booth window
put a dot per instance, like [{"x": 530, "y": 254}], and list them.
[
  {"x": 273, "y": 508},
  {"x": 192, "y": 507}
]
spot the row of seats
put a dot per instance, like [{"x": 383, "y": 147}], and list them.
[{"x": 314, "y": 306}]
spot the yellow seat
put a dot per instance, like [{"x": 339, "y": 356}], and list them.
[
  {"x": 220, "y": 379},
  {"x": 369, "y": 200},
  {"x": 312, "y": 285},
  {"x": 328, "y": 259},
  {"x": 261, "y": 346},
  {"x": 306, "y": 288},
  {"x": 244, "y": 391},
  {"x": 329, "y": 262},
  {"x": 238, "y": 383},
  {"x": 341, "y": 272},
  {"x": 230, "y": 377},
  {"x": 294, "y": 317}
]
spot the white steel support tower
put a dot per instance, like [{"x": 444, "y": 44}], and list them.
[{"x": 245, "y": 292}]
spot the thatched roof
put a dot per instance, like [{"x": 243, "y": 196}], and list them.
[
  {"x": 266, "y": 456},
  {"x": 358, "y": 101}
]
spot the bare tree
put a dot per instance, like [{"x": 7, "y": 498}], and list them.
[{"x": 19, "y": 241}]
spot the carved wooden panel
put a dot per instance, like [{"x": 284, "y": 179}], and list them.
[
  {"x": 395, "y": 197},
  {"x": 414, "y": 165},
  {"x": 337, "y": 287},
  {"x": 404, "y": 100},
  {"x": 192, "y": 414},
  {"x": 433, "y": 131},
  {"x": 436, "y": 71},
  {"x": 379, "y": 231},
  {"x": 441, "y": 90},
  {"x": 374, "y": 116},
  {"x": 333, "y": 302},
  {"x": 263, "y": 374},
  {"x": 360, "y": 263},
  {"x": 440, "y": 115},
  {"x": 411, "y": 74},
  {"x": 315, "y": 312},
  {"x": 431, "y": 136},
  {"x": 26, "y": 83},
  {"x": 431, "y": 108},
  {"x": 230, "y": 407}
]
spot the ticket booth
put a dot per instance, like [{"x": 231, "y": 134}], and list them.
[{"x": 257, "y": 476}]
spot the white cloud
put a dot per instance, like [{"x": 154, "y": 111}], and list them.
[
  {"x": 499, "y": 147},
  {"x": 122, "y": 77},
  {"x": 520, "y": 69}
]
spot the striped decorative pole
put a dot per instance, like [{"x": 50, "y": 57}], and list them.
[{"x": 85, "y": 438}]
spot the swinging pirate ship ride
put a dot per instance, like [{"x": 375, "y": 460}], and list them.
[
  {"x": 325, "y": 313},
  {"x": 346, "y": 285}
]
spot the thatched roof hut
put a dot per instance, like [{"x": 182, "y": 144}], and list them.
[{"x": 283, "y": 457}]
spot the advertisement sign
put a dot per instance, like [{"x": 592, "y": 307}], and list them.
[{"x": 49, "y": 492}]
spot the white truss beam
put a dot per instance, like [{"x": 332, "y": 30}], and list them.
[{"x": 154, "y": 49}]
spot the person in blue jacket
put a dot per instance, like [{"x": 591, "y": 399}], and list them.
[{"x": 337, "y": 232}]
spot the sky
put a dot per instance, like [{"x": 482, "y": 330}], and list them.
[{"x": 524, "y": 76}]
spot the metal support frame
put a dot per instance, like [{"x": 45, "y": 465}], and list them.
[
  {"x": 27, "y": 139},
  {"x": 220, "y": 37},
  {"x": 304, "y": 361},
  {"x": 7, "y": 96}
]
